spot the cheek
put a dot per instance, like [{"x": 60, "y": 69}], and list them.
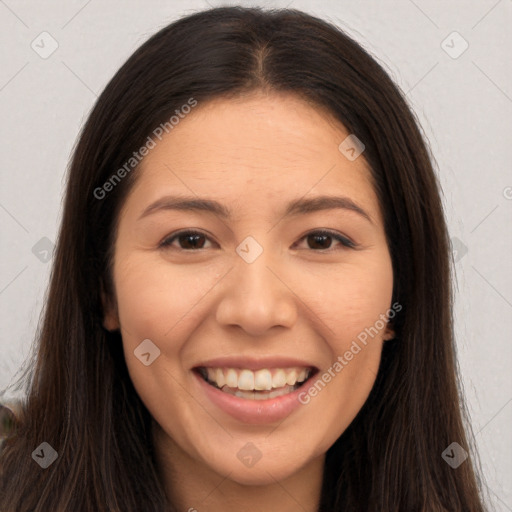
[
  {"x": 353, "y": 298},
  {"x": 153, "y": 305},
  {"x": 360, "y": 295},
  {"x": 160, "y": 303},
  {"x": 153, "y": 297},
  {"x": 157, "y": 300}
]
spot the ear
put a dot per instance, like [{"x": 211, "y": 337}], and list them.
[
  {"x": 389, "y": 332},
  {"x": 110, "y": 314}
]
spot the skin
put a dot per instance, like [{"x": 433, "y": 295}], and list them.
[{"x": 253, "y": 154}]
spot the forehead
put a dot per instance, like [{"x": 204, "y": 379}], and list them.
[
  {"x": 253, "y": 150},
  {"x": 271, "y": 128}
]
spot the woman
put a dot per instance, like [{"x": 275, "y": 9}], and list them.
[{"x": 296, "y": 352}]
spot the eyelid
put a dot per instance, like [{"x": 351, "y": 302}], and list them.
[
  {"x": 167, "y": 240},
  {"x": 345, "y": 241}
]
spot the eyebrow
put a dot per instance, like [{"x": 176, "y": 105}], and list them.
[{"x": 296, "y": 207}]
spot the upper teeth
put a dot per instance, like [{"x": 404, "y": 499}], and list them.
[{"x": 264, "y": 379}]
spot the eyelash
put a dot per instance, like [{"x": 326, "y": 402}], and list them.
[{"x": 345, "y": 242}]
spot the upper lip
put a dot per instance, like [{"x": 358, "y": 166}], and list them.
[{"x": 255, "y": 363}]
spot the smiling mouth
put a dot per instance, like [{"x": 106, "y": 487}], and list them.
[{"x": 261, "y": 384}]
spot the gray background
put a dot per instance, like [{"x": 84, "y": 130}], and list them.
[{"x": 463, "y": 100}]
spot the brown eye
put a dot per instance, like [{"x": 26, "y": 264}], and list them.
[
  {"x": 322, "y": 240},
  {"x": 317, "y": 241},
  {"x": 187, "y": 240}
]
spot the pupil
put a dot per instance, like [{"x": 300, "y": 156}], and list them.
[
  {"x": 319, "y": 241},
  {"x": 193, "y": 245},
  {"x": 324, "y": 237}
]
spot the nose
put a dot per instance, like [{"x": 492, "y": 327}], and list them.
[{"x": 257, "y": 297}]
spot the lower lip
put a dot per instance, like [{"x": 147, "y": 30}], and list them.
[{"x": 253, "y": 411}]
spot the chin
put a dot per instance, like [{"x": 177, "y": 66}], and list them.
[
  {"x": 250, "y": 466},
  {"x": 262, "y": 473}
]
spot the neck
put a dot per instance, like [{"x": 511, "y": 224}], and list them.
[{"x": 193, "y": 486}]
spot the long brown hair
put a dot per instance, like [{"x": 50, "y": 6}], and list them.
[{"x": 80, "y": 399}]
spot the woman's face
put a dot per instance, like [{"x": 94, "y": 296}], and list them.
[{"x": 255, "y": 300}]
